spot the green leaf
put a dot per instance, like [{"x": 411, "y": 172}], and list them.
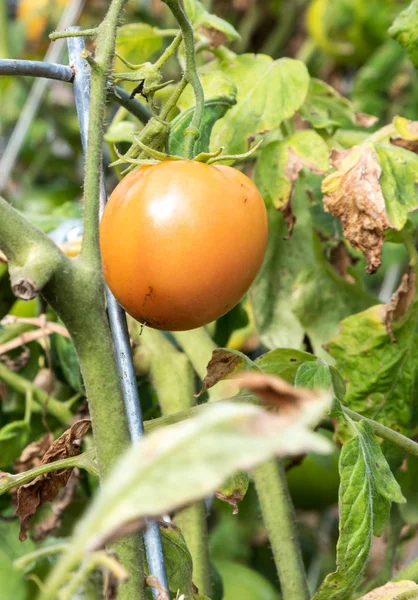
[
  {"x": 321, "y": 299},
  {"x": 199, "y": 16},
  {"x": 381, "y": 375},
  {"x": 178, "y": 561},
  {"x": 216, "y": 84},
  {"x": 269, "y": 91},
  {"x": 405, "y": 30},
  {"x": 120, "y": 132},
  {"x": 271, "y": 293},
  {"x": 68, "y": 361},
  {"x": 220, "y": 94},
  {"x": 313, "y": 374},
  {"x": 367, "y": 489},
  {"x": 284, "y": 362},
  {"x": 214, "y": 109},
  {"x": 325, "y": 107},
  {"x": 136, "y": 42},
  {"x": 13, "y": 584},
  {"x": 192, "y": 459},
  {"x": 280, "y": 162},
  {"x": 13, "y": 438}
]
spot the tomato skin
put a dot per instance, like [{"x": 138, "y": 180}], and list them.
[{"x": 182, "y": 241}]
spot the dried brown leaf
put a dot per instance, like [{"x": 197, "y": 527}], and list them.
[
  {"x": 153, "y": 582},
  {"x": 400, "y": 301},
  {"x": 64, "y": 499},
  {"x": 411, "y": 145},
  {"x": 233, "y": 499},
  {"x": 33, "y": 454},
  {"x": 276, "y": 392},
  {"x": 45, "y": 487},
  {"x": 365, "y": 120},
  {"x": 216, "y": 38},
  {"x": 356, "y": 199},
  {"x": 219, "y": 367}
]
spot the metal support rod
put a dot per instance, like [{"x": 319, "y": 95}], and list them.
[
  {"x": 55, "y": 50},
  {"x": 117, "y": 317},
  {"x": 36, "y": 68}
]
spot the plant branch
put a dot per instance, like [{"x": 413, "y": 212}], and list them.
[
  {"x": 172, "y": 378},
  {"x": 386, "y": 433},
  {"x": 192, "y": 133},
  {"x": 169, "y": 51},
  {"x": 33, "y": 258},
  {"x": 279, "y": 518},
  {"x": 82, "y": 461},
  {"x": 57, "y": 409}
]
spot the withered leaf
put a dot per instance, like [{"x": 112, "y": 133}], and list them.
[
  {"x": 276, "y": 391},
  {"x": 354, "y": 195},
  {"x": 365, "y": 120},
  {"x": 64, "y": 498},
  {"x": 216, "y": 38},
  {"x": 219, "y": 367},
  {"x": 153, "y": 582},
  {"x": 400, "y": 301},
  {"x": 45, "y": 487},
  {"x": 33, "y": 454}
]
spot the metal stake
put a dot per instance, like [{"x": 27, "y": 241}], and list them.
[{"x": 117, "y": 317}]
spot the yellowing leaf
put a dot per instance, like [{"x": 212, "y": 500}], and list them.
[{"x": 399, "y": 590}]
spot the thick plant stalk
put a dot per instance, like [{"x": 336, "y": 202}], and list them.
[
  {"x": 279, "y": 518},
  {"x": 192, "y": 133},
  {"x": 173, "y": 380}
]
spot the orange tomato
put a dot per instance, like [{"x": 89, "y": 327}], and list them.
[
  {"x": 36, "y": 14},
  {"x": 182, "y": 241}
]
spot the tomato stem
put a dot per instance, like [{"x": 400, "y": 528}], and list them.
[
  {"x": 192, "y": 133},
  {"x": 279, "y": 518},
  {"x": 169, "y": 51}
]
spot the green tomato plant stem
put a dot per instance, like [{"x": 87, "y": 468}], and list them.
[
  {"x": 193, "y": 132},
  {"x": 75, "y": 290},
  {"x": 173, "y": 381},
  {"x": 169, "y": 51},
  {"x": 83, "y": 461},
  {"x": 279, "y": 518},
  {"x": 386, "y": 433}
]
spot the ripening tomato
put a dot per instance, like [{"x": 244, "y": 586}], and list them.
[{"x": 182, "y": 241}]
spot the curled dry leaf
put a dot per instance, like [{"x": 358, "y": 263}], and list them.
[
  {"x": 277, "y": 392},
  {"x": 354, "y": 195},
  {"x": 393, "y": 591},
  {"x": 33, "y": 454},
  {"x": 400, "y": 301},
  {"x": 64, "y": 499},
  {"x": 365, "y": 120},
  {"x": 222, "y": 364},
  {"x": 45, "y": 487}
]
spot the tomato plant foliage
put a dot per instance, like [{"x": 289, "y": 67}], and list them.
[{"x": 298, "y": 118}]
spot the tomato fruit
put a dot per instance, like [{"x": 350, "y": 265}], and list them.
[{"x": 182, "y": 241}]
